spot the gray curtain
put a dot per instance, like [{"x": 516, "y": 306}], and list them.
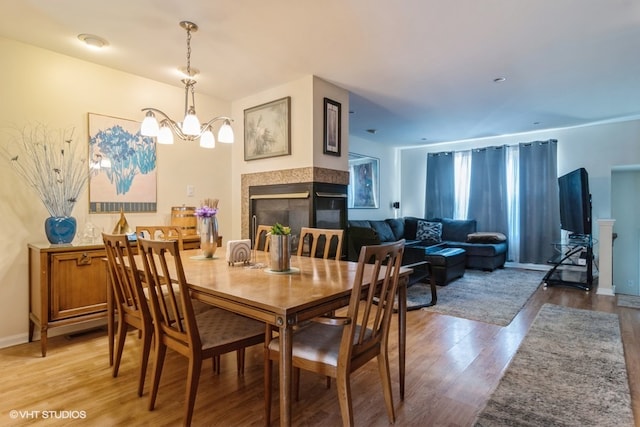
[
  {"x": 488, "y": 189},
  {"x": 440, "y": 197},
  {"x": 539, "y": 202}
]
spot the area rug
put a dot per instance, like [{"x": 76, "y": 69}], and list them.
[
  {"x": 490, "y": 297},
  {"x": 568, "y": 371},
  {"x": 631, "y": 301}
]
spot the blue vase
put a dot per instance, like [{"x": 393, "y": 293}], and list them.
[{"x": 60, "y": 229}]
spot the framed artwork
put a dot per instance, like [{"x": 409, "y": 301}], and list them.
[
  {"x": 332, "y": 127},
  {"x": 364, "y": 182},
  {"x": 123, "y": 166},
  {"x": 267, "y": 130}
]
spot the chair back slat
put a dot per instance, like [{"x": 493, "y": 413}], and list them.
[
  {"x": 261, "y": 240},
  {"x": 169, "y": 292},
  {"x": 126, "y": 283},
  {"x": 370, "y": 313},
  {"x": 320, "y": 242},
  {"x": 161, "y": 232}
]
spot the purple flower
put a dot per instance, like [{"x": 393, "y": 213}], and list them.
[{"x": 206, "y": 212}]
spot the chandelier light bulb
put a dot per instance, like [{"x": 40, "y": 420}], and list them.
[
  {"x": 149, "y": 125},
  {"x": 191, "y": 124},
  {"x": 225, "y": 134},
  {"x": 165, "y": 136},
  {"x": 207, "y": 139}
]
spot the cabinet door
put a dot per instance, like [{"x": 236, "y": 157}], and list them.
[{"x": 78, "y": 284}]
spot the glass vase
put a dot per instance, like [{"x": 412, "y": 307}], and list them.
[{"x": 208, "y": 236}]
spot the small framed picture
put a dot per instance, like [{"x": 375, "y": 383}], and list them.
[{"x": 332, "y": 127}]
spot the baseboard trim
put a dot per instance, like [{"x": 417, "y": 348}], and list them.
[
  {"x": 13, "y": 340},
  {"x": 23, "y": 338}
]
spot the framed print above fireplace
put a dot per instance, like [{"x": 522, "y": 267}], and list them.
[
  {"x": 267, "y": 130},
  {"x": 332, "y": 127},
  {"x": 364, "y": 182}
]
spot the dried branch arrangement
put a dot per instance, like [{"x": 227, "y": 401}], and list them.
[{"x": 48, "y": 162}]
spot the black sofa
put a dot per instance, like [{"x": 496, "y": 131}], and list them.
[{"x": 484, "y": 250}]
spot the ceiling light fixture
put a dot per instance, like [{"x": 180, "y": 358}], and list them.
[
  {"x": 190, "y": 129},
  {"x": 93, "y": 41}
]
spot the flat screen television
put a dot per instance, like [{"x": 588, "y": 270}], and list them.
[{"x": 575, "y": 203}]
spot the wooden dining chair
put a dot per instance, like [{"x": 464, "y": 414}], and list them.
[
  {"x": 129, "y": 302},
  {"x": 337, "y": 346},
  {"x": 261, "y": 239},
  {"x": 172, "y": 232},
  {"x": 178, "y": 327},
  {"x": 161, "y": 232},
  {"x": 318, "y": 242}
]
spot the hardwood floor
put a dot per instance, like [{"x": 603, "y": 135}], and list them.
[{"x": 452, "y": 367}]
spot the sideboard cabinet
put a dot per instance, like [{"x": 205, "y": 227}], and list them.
[{"x": 67, "y": 285}]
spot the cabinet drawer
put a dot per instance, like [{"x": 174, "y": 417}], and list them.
[{"x": 77, "y": 284}]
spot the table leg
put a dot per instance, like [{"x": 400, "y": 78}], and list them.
[
  {"x": 286, "y": 373},
  {"x": 402, "y": 330}
]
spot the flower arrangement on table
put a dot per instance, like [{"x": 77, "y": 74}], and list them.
[
  {"x": 47, "y": 161},
  {"x": 279, "y": 230},
  {"x": 280, "y": 247},
  {"x": 208, "y": 227},
  {"x": 206, "y": 212}
]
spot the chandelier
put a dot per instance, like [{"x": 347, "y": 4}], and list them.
[{"x": 190, "y": 129}]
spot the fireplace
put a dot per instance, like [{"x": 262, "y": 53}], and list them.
[{"x": 297, "y": 205}]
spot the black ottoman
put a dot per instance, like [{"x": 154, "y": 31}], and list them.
[{"x": 447, "y": 264}]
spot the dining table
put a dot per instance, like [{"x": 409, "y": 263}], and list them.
[{"x": 311, "y": 287}]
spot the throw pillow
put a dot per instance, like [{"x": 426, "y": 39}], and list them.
[
  {"x": 486, "y": 237},
  {"x": 429, "y": 231}
]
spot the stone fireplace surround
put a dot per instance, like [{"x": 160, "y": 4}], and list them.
[{"x": 285, "y": 176}]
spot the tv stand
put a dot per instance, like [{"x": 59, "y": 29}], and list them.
[{"x": 573, "y": 264}]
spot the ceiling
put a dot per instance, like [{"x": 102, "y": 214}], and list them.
[{"x": 419, "y": 71}]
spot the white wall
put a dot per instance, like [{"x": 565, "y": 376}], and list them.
[
  {"x": 41, "y": 86},
  {"x": 389, "y": 178},
  {"x": 307, "y": 109},
  {"x": 625, "y": 205}
]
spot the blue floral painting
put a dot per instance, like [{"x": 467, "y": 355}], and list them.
[{"x": 123, "y": 166}]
